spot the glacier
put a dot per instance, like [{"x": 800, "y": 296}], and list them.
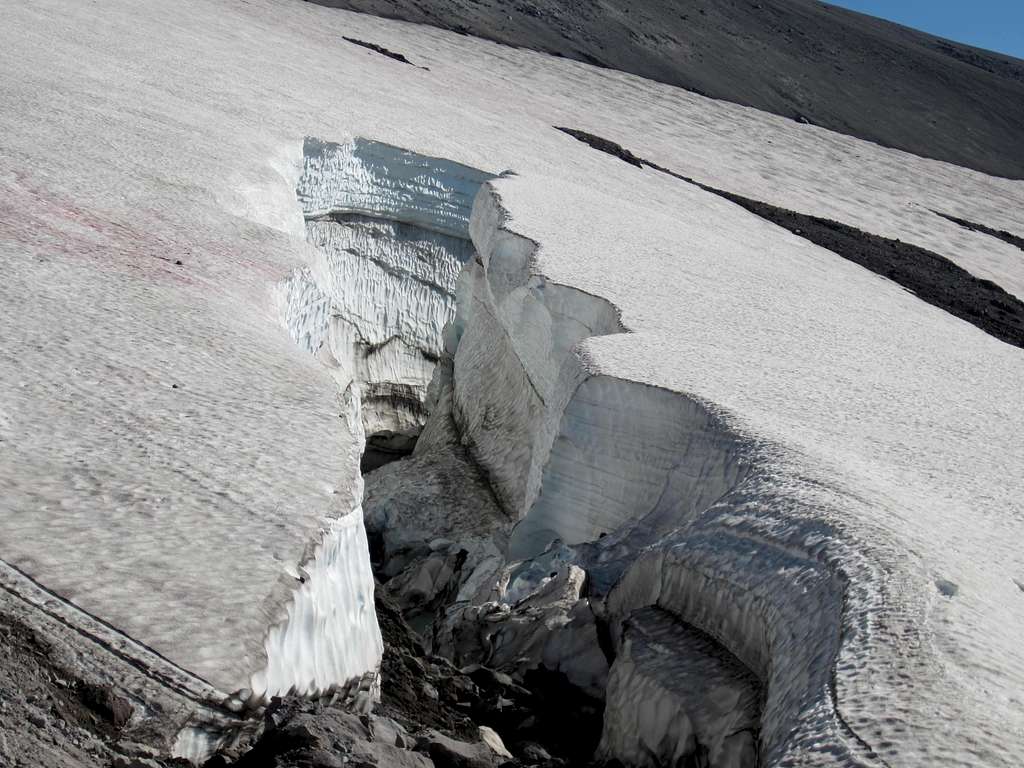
[
  {"x": 728, "y": 445},
  {"x": 391, "y": 230}
]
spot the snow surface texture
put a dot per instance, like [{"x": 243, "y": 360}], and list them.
[{"x": 870, "y": 443}]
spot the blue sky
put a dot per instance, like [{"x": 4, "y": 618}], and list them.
[{"x": 994, "y": 24}]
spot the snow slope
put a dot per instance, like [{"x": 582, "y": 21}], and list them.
[
  {"x": 169, "y": 454},
  {"x": 836, "y": 68}
]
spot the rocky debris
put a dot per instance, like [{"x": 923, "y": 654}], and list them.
[
  {"x": 480, "y": 704},
  {"x": 459, "y": 726},
  {"x": 416, "y": 509},
  {"x": 537, "y": 713},
  {"x": 301, "y": 732},
  {"x": 446, "y": 752},
  {"x": 491, "y": 738},
  {"x": 553, "y": 628},
  {"x": 55, "y": 713},
  {"x": 421, "y": 589}
]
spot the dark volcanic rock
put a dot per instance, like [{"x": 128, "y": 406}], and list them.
[
  {"x": 801, "y": 59},
  {"x": 52, "y": 714},
  {"x": 378, "y": 49},
  {"x": 410, "y": 729},
  {"x": 973, "y": 226},
  {"x": 450, "y": 753}
]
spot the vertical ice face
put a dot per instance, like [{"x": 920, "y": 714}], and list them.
[
  {"x": 328, "y": 638},
  {"x": 390, "y": 230},
  {"x": 628, "y": 454},
  {"x": 519, "y": 331},
  {"x": 331, "y": 636}
]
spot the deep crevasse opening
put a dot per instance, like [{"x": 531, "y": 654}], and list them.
[
  {"x": 389, "y": 229},
  {"x": 607, "y": 466}
]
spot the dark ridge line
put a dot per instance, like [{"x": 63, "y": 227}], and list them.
[
  {"x": 382, "y": 51},
  {"x": 932, "y": 278},
  {"x": 1001, "y": 234},
  {"x": 609, "y": 147}
]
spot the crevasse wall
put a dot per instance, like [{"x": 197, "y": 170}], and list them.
[
  {"x": 329, "y": 637},
  {"x": 673, "y": 507},
  {"x": 514, "y": 368},
  {"x": 628, "y": 454},
  {"x": 389, "y": 236}
]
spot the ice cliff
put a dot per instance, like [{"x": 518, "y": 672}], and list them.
[{"x": 391, "y": 233}]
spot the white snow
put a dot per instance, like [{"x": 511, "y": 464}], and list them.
[{"x": 879, "y": 435}]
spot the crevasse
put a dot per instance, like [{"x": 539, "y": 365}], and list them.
[
  {"x": 666, "y": 506},
  {"x": 389, "y": 231}
]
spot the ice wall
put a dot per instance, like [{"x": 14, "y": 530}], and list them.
[
  {"x": 519, "y": 330},
  {"x": 390, "y": 229},
  {"x": 628, "y": 454},
  {"x": 328, "y": 638},
  {"x": 389, "y": 236}
]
